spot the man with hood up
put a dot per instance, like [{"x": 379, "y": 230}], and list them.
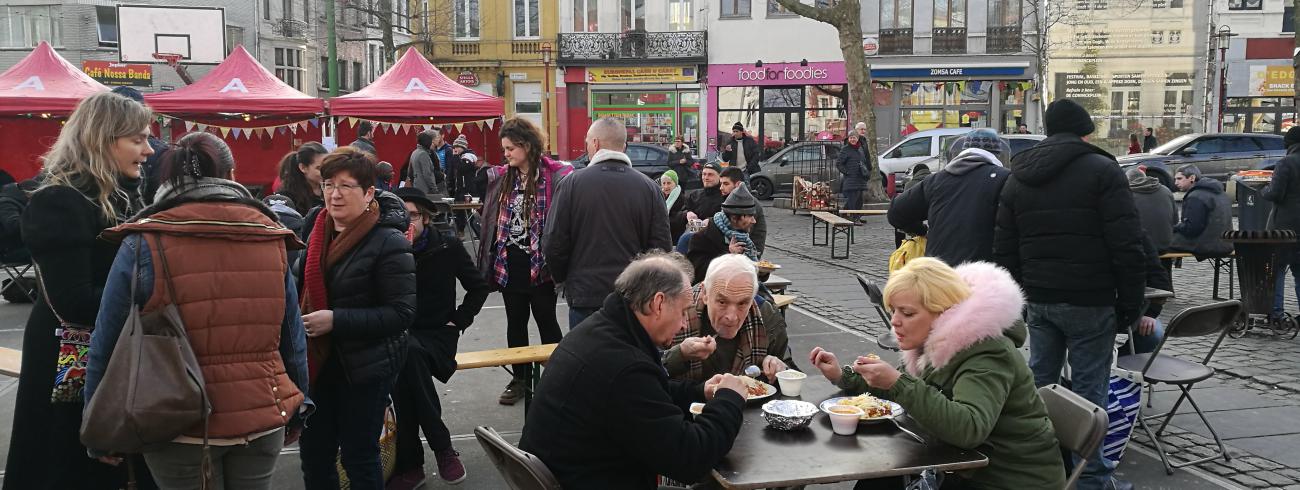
[
  {"x": 1156, "y": 208},
  {"x": 1068, "y": 232},
  {"x": 960, "y": 202}
]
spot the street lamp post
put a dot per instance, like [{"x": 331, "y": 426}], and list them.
[
  {"x": 546, "y": 92},
  {"x": 1224, "y": 38}
]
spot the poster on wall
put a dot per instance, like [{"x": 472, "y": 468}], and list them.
[
  {"x": 1272, "y": 81},
  {"x": 113, "y": 73},
  {"x": 642, "y": 74}
]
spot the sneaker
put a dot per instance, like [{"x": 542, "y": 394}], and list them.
[
  {"x": 407, "y": 480},
  {"x": 450, "y": 468},
  {"x": 513, "y": 393}
]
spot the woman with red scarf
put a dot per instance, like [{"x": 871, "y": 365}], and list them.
[
  {"x": 358, "y": 299},
  {"x": 510, "y": 253},
  {"x": 1133, "y": 146}
]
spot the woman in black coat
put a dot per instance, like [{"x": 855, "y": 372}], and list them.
[
  {"x": 85, "y": 190},
  {"x": 358, "y": 299}
]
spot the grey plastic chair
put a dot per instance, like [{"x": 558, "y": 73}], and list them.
[
  {"x": 1199, "y": 321},
  {"x": 877, "y": 297},
  {"x": 522, "y": 470},
  {"x": 1080, "y": 425}
]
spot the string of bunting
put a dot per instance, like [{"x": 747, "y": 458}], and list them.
[
  {"x": 400, "y": 128},
  {"x": 248, "y": 133}
]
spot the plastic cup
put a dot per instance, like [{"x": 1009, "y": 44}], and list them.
[
  {"x": 844, "y": 419},
  {"x": 696, "y": 409},
  {"x": 791, "y": 381}
]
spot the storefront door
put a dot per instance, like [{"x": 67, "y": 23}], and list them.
[{"x": 780, "y": 129}]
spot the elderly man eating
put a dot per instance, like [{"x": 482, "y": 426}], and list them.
[{"x": 727, "y": 331}]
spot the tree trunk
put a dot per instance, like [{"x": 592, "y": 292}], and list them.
[
  {"x": 861, "y": 93},
  {"x": 386, "y": 25}
]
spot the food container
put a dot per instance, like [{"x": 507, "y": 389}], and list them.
[
  {"x": 697, "y": 409},
  {"x": 788, "y": 414},
  {"x": 844, "y": 419},
  {"x": 791, "y": 382},
  {"x": 765, "y": 267}
]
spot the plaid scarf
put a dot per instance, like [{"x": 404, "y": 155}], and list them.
[
  {"x": 724, "y": 225},
  {"x": 536, "y": 223},
  {"x": 751, "y": 340}
]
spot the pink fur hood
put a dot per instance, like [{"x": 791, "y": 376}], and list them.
[{"x": 992, "y": 308}]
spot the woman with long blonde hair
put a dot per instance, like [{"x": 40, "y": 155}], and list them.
[{"x": 91, "y": 182}]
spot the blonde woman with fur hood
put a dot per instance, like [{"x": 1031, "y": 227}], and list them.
[{"x": 963, "y": 379}]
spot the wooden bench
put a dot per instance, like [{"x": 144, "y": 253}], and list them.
[
  {"x": 11, "y": 362},
  {"x": 1221, "y": 265},
  {"x": 533, "y": 354},
  {"x": 835, "y": 227},
  {"x": 863, "y": 212}
]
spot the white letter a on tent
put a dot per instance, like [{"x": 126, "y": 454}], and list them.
[
  {"x": 33, "y": 82},
  {"x": 414, "y": 84},
  {"x": 235, "y": 84}
]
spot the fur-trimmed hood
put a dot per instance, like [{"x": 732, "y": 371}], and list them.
[{"x": 991, "y": 311}]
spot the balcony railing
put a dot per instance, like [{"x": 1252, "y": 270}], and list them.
[
  {"x": 289, "y": 28},
  {"x": 526, "y": 47},
  {"x": 1003, "y": 39},
  {"x": 949, "y": 40},
  {"x": 464, "y": 48},
  {"x": 633, "y": 47},
  {"x": 896, "y": 41}
]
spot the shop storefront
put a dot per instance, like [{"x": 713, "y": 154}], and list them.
[
  {"x": 657, "y": 103},
  {"x": 784, "y": 103},
  {"x": 910, "y": 99},
  {"x": 1266, "y": 104}
]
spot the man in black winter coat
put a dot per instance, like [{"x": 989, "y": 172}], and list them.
[
  {"x": 1068, "y": 231},
  {"x": 703, "y": 203},
  {"x": 1284, "y": 192},
  {"x": 743, "y": 152},
  {"x": 1207, "y": 213},
  {"x": 960, "y": 201},
  {"x": 681, "y": 161},
  {"x": 607, "y": 416},
  {"x": 1148, "y": 141}
]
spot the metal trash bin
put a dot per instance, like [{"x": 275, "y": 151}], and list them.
[
  {"x": 1252, "y": 208},
  {"x": 1261, "y": 256}
]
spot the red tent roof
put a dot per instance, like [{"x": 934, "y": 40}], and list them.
[
  {"x": 239, "y": 85},
  {"x": 44, "y": 82},
  {"x": 414, "y": 91}
]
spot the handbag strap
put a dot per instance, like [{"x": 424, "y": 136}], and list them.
[{"x": 166, "y": 271}]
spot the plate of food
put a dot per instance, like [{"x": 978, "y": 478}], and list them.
[
  {"x": 873, "y": 409},
  {"x": 765, "y": 266},
  {"x": 757, "y": 390}
]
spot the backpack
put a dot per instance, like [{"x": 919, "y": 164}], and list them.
[{"x": 911, "y": 248}]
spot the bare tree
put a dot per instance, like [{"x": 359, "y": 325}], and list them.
[
  {"x": 846, "y": 17},
  {"x": 380, "y": 14}
]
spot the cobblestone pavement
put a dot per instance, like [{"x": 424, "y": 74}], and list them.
[{"x": 1253, "y": 402}]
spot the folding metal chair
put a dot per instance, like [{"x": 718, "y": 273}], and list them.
[
  {"x": 1198, "y": 321},
  {"x": 522, "y": 470},
  {"x": 886, "y": 340},
  {"x": 17, "y": 288},
  {"x": 1080, "y": 425}
]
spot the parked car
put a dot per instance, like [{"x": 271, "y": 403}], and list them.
[
  {"x": 812, "y": 160},
  {"x": 649, "y": 159},
  {"x": 921, "y": 148},
  {"x": 1017, "y": 142},
  {"x": 1218, "y": 155}
]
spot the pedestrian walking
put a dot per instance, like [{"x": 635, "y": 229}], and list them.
[
  {"x": 602, "y": 217},
  {"x": 1156, "y": 208},
  {"x": 424, "y": 170},
  {"x": 1207, "y": 213},
  {"x": 1068, "y": 232},
  {"x": 515, "y": 219},
  {"x": 855, "y": 169},
  {"x": 1284, "y": 192},
  {"x": 365, "y": 131},
  {"x": 1133, "y": 146},
  {"x": 91, "y": 183},
  {"x": 1149, "y": 141},
  {"x": 440, "y": 262},
  {"x": 358, "y": 299},
  {"x": 300, "y": 176},
  {"x": 960, "y": 202},
  {"x": 201, "y": 224},
  {"x": 743, "y": 151}
]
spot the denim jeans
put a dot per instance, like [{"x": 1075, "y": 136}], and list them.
[
  {"x": 1085, "y": 336},
  {"x": 1279, "y": 289},
  {"x": 246, "y": 466},
  {"x": 1146, "y": 344},
  {"x": 346, "y": 428}
]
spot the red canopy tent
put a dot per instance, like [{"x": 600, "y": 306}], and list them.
[
  {"x": 35, "y": 95},
  {"x": 413, "y": 91}
]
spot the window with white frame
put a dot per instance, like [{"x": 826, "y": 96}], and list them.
[
  {"x": 585, "y": 16},
  {"x": 106, "y": 21},
  {"x": 681, "y": 15},
  {"x": 528, "y": 23},
  {"x": 1004, "y": 13},
  {"x": 735, "y": 8},
  {"x": 466, "y": 18},
  {"x": 402, "y": 15},
  {"x": 288, "y": 66},
  {"x": 528, "y": 102},
  {"x": 775, "y": 9},
  {"x": 895, "y": 14},
  {"x": 950, "y": 13},
  {"x": 632, "y": 14},
  {"x": 25, "y": 26}
]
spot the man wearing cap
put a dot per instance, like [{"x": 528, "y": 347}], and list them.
[
  {"x": 152, "y": 177},
  {"x": 960, "y": 201},
  {"x": 731, "y": 179},
  {"x": 743, "y": 150},
  {"x": 1068, "y": 231},
  {"x": 461, "y": 167},
  {"x": 727, "y": 232},
  {"x": 1284, "y": 192},
  {"x": 440, "y": 261}
]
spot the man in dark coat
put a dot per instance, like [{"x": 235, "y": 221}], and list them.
[
  {"x": 1284, "y": 192},
  {"x": 960, "y": 201},
  {"x": 1156, "y": 208},
  {"x": 681, "y": 161},
  {"x": 743, "y": 152},
  {"x": 1148, "y": 141},
  {"x": 733, "y": 178},
  {"x": 440, "y": 261},
  {"x": 727, "y": 232},
  {"x": 706, "y": 201},
  {"x": 607, "y": 416},
  {"x": 601, "y": 218},
  {"x": 1068, "y": 231},
  {"x": 365, "y": 130},
  {"x": 1207, "y": 213}
]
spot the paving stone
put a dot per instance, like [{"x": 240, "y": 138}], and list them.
[
  {"x": 1273, "y": 479},
  {"x": 1249, "y": 481},
  {"x": 1264, "y": 464}
]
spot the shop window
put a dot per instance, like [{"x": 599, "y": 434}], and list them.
[
  {"x": 466, "y": 19},
  {"x": 1288, "y": 19},
  {"x": 106, "y": 21},
  {"x": 681, "y": 15},
  {"x": 735, "y": 8},
  {"x": 775, "y": 9},
  {"x": 26, "y": 26},
  {"x": 949, "y": 13},
  {"x": 730, "y": 98},
  {"x": 527, "y": 23},
  {"x": 783, "y": 97},
  {"x": 1245, "y": 4},
  {"x": 586, "y": 16},
  {"x": 632, "y": 13},
  {"x": 895, "y": 14}
]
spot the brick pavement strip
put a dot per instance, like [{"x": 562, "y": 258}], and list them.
[{"x": 1266, "y": 366}]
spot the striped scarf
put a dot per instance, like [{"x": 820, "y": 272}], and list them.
[
  {"x": 724, "y": 225},
  {"x": 536, "y": 223},
  {"x": 751, "y": 340}
]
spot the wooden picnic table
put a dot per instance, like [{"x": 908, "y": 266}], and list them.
[
  {"x": 11, "y": 362},
  {"x": 466, "y": 206},
  {"x": 777, "y": 284},
  {"x": 863, "y": 212},
  {"x": 532, "y": 354},
  {"x": 768, "y": 458}
]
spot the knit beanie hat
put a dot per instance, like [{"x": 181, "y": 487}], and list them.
[
  {"x": 672, "y": 174},
  {"x": 737, "y": 127},
  {"x": 461, "y": 141},
  {"x": 714, "y": 167},
  {"x": 1292, "y": 136},
  {"x": 741, "y": 202},
  {"x": 1067, "y": 116}
]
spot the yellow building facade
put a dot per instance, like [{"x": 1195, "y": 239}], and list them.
[{"x": 499, "y": 47}]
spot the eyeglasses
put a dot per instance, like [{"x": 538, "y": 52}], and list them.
[{"x": 329, "y": 187}]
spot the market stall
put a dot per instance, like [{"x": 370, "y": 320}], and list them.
[{"x": 36, "y": 95}]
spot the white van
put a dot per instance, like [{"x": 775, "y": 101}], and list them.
[{"x": 919, "y": 148}]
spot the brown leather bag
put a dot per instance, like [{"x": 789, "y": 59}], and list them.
[{"x": 153, "y": 389}]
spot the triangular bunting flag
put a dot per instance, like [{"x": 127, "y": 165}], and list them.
[
  {"x": 315, "y": 122},
  {"x": 236, "y": 131},
  {"x": 224, "y": 131},
  {"x": 459, "y": 126},
  {"x": 189, "y": 126},
  {"x": 281, "y": 129}
]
